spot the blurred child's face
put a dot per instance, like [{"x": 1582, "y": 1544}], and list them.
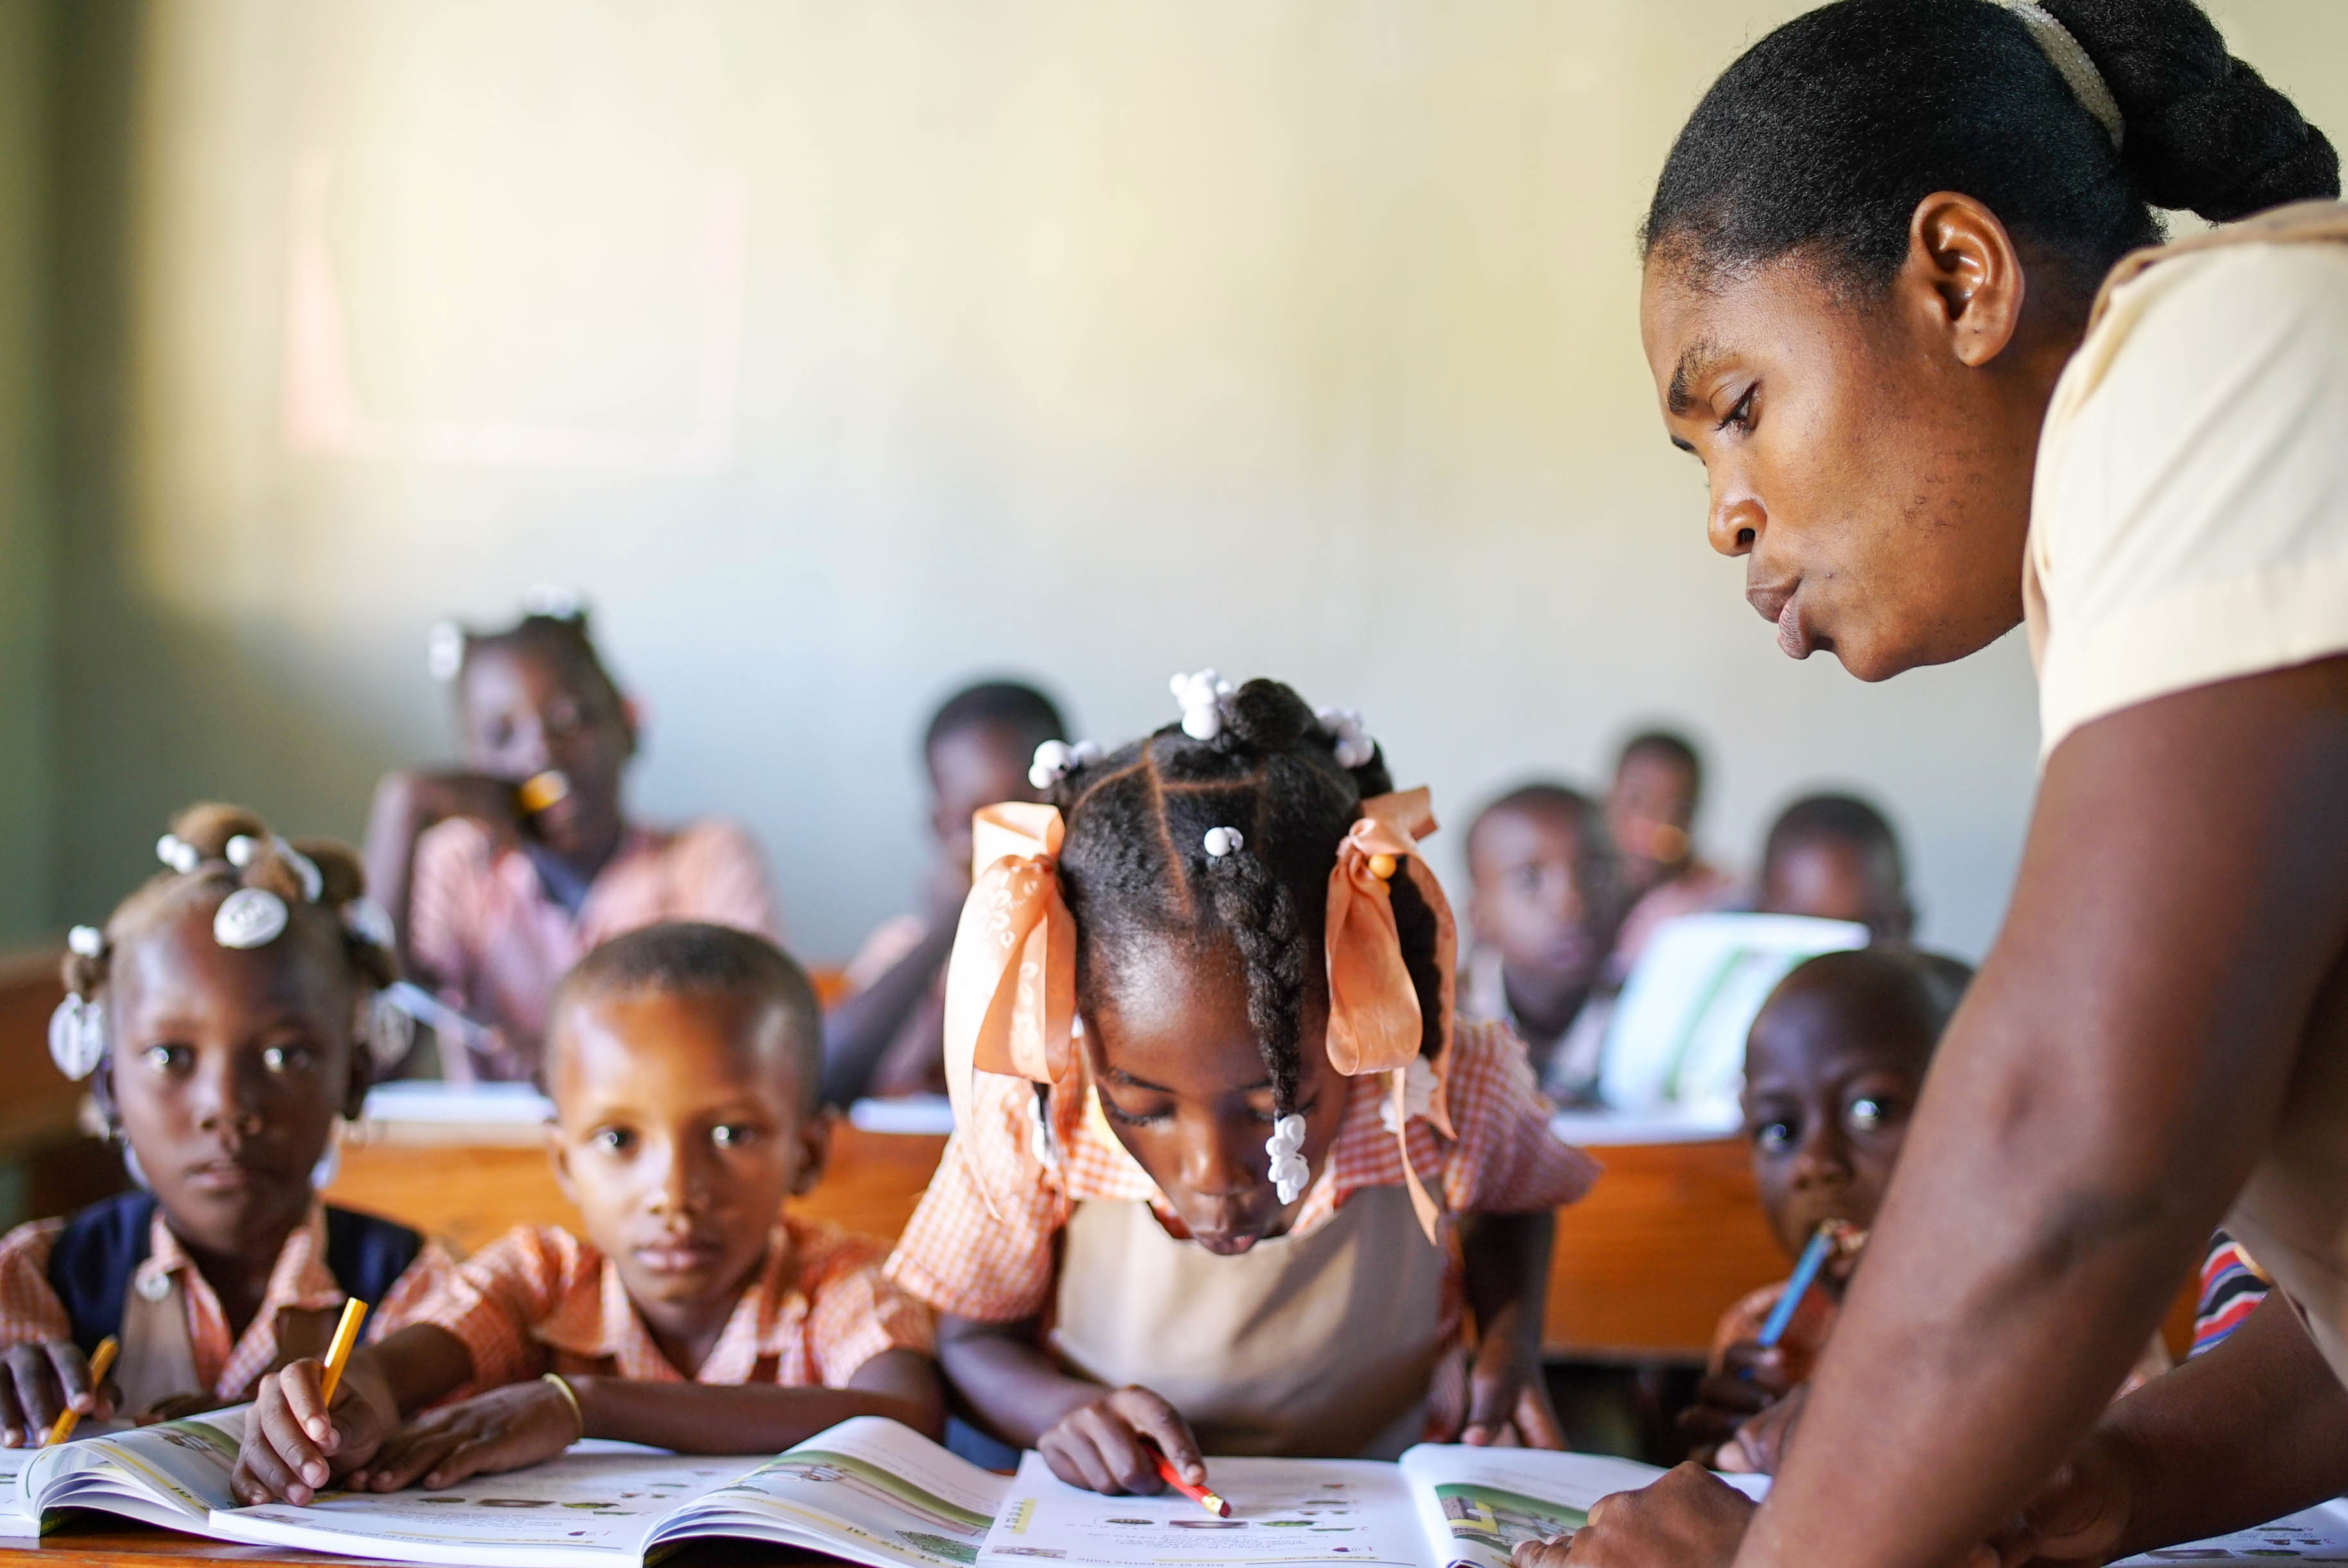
[
  {"x": 1830, "y": 1077},
  {"x": 680, "y": 1126},
  {"x": 227, "y": 1069},
  {"x": 1182, "y": 1083},
  {"x": 1650, "y": 811},
  {"x": 1539, "y": 895},
  {"x": 525, "y": 710},
  {"x": 1834, "y": 879},
  {"x": 976, "y": 765}
]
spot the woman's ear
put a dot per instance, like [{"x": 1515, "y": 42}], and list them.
[{"x": 1963, "y": 277}]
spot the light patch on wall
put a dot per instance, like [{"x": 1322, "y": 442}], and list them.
[{"x": 322, "y": 413}]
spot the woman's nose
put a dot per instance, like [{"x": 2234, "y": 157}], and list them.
[{"x": 1735, "y": 521}]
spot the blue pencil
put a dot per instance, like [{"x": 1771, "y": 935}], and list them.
[{"x": 1806, "y": 1274}]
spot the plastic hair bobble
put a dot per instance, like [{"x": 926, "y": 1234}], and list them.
[
  {"x": 242, "y": 849},
  {"x": 1205, "y": 698},
  {"x": 250, "y": 917},
  {"x": 1287, "y": 1147},
  {"x": 444, "y": 649},
  {"x": 178, "y": 853},
  {"x": 1222, "y": 841},
  {"x": 554, "y": 601},
  {"x": 386, "y": 1030},
  {"x": 77, "y": 1036},
  {"x": 1055, "y": 759},
  {"x": 85, "y": 941},
  {"x": 1350, "y": 738}
]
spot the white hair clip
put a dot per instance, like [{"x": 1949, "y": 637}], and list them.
[
  {"x": 242, "y": 849},
  {"x": 178, "y": 853},
  {"x": 1222, "y": 841},
  {"x": 370, "y": 922},
  {"x": 1205, "y": 698},
  {"x": 1287, "y": 1147},
  {"x": 88, "y": 941},
  {"x": 1055, "y": 759},
  {"x": 250, "y": 917},
  {"x": 444, "y": 649},
  {"x": 385, "y": 1029},
  {"x": 77, "y": 1036},
  {"x": 1355, "y": 747},
  {"x": 552, "y": 600}
]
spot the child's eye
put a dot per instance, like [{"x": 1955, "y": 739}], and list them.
[
  {"x": 1118, "y": 1114},
  {"x": 730, "y": 1136},
  {"x": 1775, "y": 1137},
  {"x": 1741, "y": 416},
  {"x": 1867, "y": 1114},
  {"x": 169, "y": 1057},
  {"x": 613, "y": 1139},
  {"x": 287, "y": 1058}
]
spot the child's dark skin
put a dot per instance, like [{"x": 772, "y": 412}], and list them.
[
  {"x": 1833, "y": 1067},
  {"x": 1543, "y": 896},
  {"x": 1835, "y": 879},
  {"x": 681, "y": 1125},
  {"x": 1650, "y": 812},
  {"x": 227, "y": 1070},
  {"x": 898, "y": 1023},
  {"x": 524, "y": 707},
  {"x": 1182, "y": 1082}
]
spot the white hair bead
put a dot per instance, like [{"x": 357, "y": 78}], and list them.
[
  {"x": 250, "y": 917},
  {"x": 370, "y": 922},
  {"x": 1286, "y": 1149},
  {"x": 444, "y": 649},
  {"x": 77, "y": 1036},
  {"x": 552, "y": 599},
  {"x": 178, "y": 853},
  {"x": 88, "y": 941},
  {"x": 1054, "y": 759},
  {"x": 1204, "y": 697},
  {"x": 240, "y": 851},
  {"x": 1344, "y": 727},
  {"x": 1222, "y": 841}
]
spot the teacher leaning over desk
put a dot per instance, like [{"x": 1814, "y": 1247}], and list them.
[{"x": 1886, "y": 304}]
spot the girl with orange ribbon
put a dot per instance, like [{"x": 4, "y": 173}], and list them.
[{"x": 1225, "y": 1176}]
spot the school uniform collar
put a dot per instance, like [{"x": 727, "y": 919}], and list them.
[
  {"x": 299, "y": 1279},
  {"x": 765, "y": 1322}
]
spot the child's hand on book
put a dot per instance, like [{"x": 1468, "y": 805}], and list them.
[
  {"x": 1748, "y": 1381},
  {"x": 39, "y": 1382},
  {"x": 295, "y": 1444},
  {"x": 1105, "y": 1446},
  {"x": 1507, "y": 1397},
  {"x": 502, "y": 1429},
  {"x": 1689, "y": 1518}
]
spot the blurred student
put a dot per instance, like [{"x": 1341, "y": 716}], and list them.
[
  {"x": 886, "y": 1036},
  {"x": 223, "y": 1016},
  {"x": 1834, "y": 857},
  {"x": 501, "y": 874},
  {"x": 1542, "y": 906},
  {"x": 694, "y": 1313},
  {"x": 1651, "y": 815}
]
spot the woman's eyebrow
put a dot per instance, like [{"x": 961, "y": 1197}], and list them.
[{"x": 1697, "y": 362}]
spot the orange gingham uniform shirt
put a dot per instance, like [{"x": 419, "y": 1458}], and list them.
[
  {"x": 540, "y": 1299},
  {"x": 998, "y": 1263},
  {"x": 30, "y": 1311}
]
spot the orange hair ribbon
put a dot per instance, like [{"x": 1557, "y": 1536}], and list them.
[{"x": 1011, "y": 984}]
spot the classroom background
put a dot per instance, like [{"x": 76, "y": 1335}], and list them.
[{"x": 841, "y": 353}]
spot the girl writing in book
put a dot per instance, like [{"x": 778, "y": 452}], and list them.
[
  {"x": 1215, "y": 1125},
  {"x": 501, "y": 874},
  {"x": 224, "y": 1016}
]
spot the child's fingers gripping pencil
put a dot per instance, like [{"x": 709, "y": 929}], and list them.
[
  {"x": 99, "y": 1365},
  {"x": 1207, "y": 1499},
  {"x": 347, "y": 1336},
  {"x": 1806, "y": 1274}
]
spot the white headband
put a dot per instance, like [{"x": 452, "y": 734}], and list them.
[{"x": 2063, "y": 51}]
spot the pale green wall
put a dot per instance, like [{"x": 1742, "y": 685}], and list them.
[
  {"x": 1289, "y": 336},
  {"x": 28, "y": 759}
]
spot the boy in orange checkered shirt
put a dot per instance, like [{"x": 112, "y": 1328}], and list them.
[
  {"x": 1219, "y": 1215},
  {"x": 694, "y": 1313}
]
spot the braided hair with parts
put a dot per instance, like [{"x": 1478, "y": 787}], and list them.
[{"x": 1136, "y": 872}]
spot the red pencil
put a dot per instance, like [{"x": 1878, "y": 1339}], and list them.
[{"x": 1197, "y": 1494}]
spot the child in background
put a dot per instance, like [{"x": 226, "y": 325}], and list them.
[
  {"x": 1543, "y": 909},
  {"x": 499, "y": 875},
  {"x": 1199, "y": 1009},
  {"x": 694, "y": 1313},
  {"x": 1836, "y": 857},
  {"x": 226, "y": 1014},
  {"x": 1651, "y": 815},
  {"x": 885, "y": 1035},
  {"x": 1832, "y": 1068}
]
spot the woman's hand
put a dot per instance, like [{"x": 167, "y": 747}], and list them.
[
  {"x": 38, "y": 1383},
  {"x": 1688, "y": 1519},
  {"x": 1105, "y": 1446},
  {"x": 295, "y": 1443},
  {"x": 1750, "y": 1380},
  {"x": 1508, "y": 1400},
  {"x": 502, "y": 1429}
]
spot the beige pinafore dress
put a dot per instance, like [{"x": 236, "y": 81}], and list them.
[
  {"x": 1317, "y": 1346},
  {"x": 158, "y": 1359}
]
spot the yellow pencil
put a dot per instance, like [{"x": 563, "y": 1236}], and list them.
[
  {"x": 347, "y": 1334},
  {"x": 63, "y": 1427}
]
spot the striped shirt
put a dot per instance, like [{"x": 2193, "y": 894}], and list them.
[{"x": 2232, "y": 1285}]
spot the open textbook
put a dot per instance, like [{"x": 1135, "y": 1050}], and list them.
[{"x": 872, "y": 1492}]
